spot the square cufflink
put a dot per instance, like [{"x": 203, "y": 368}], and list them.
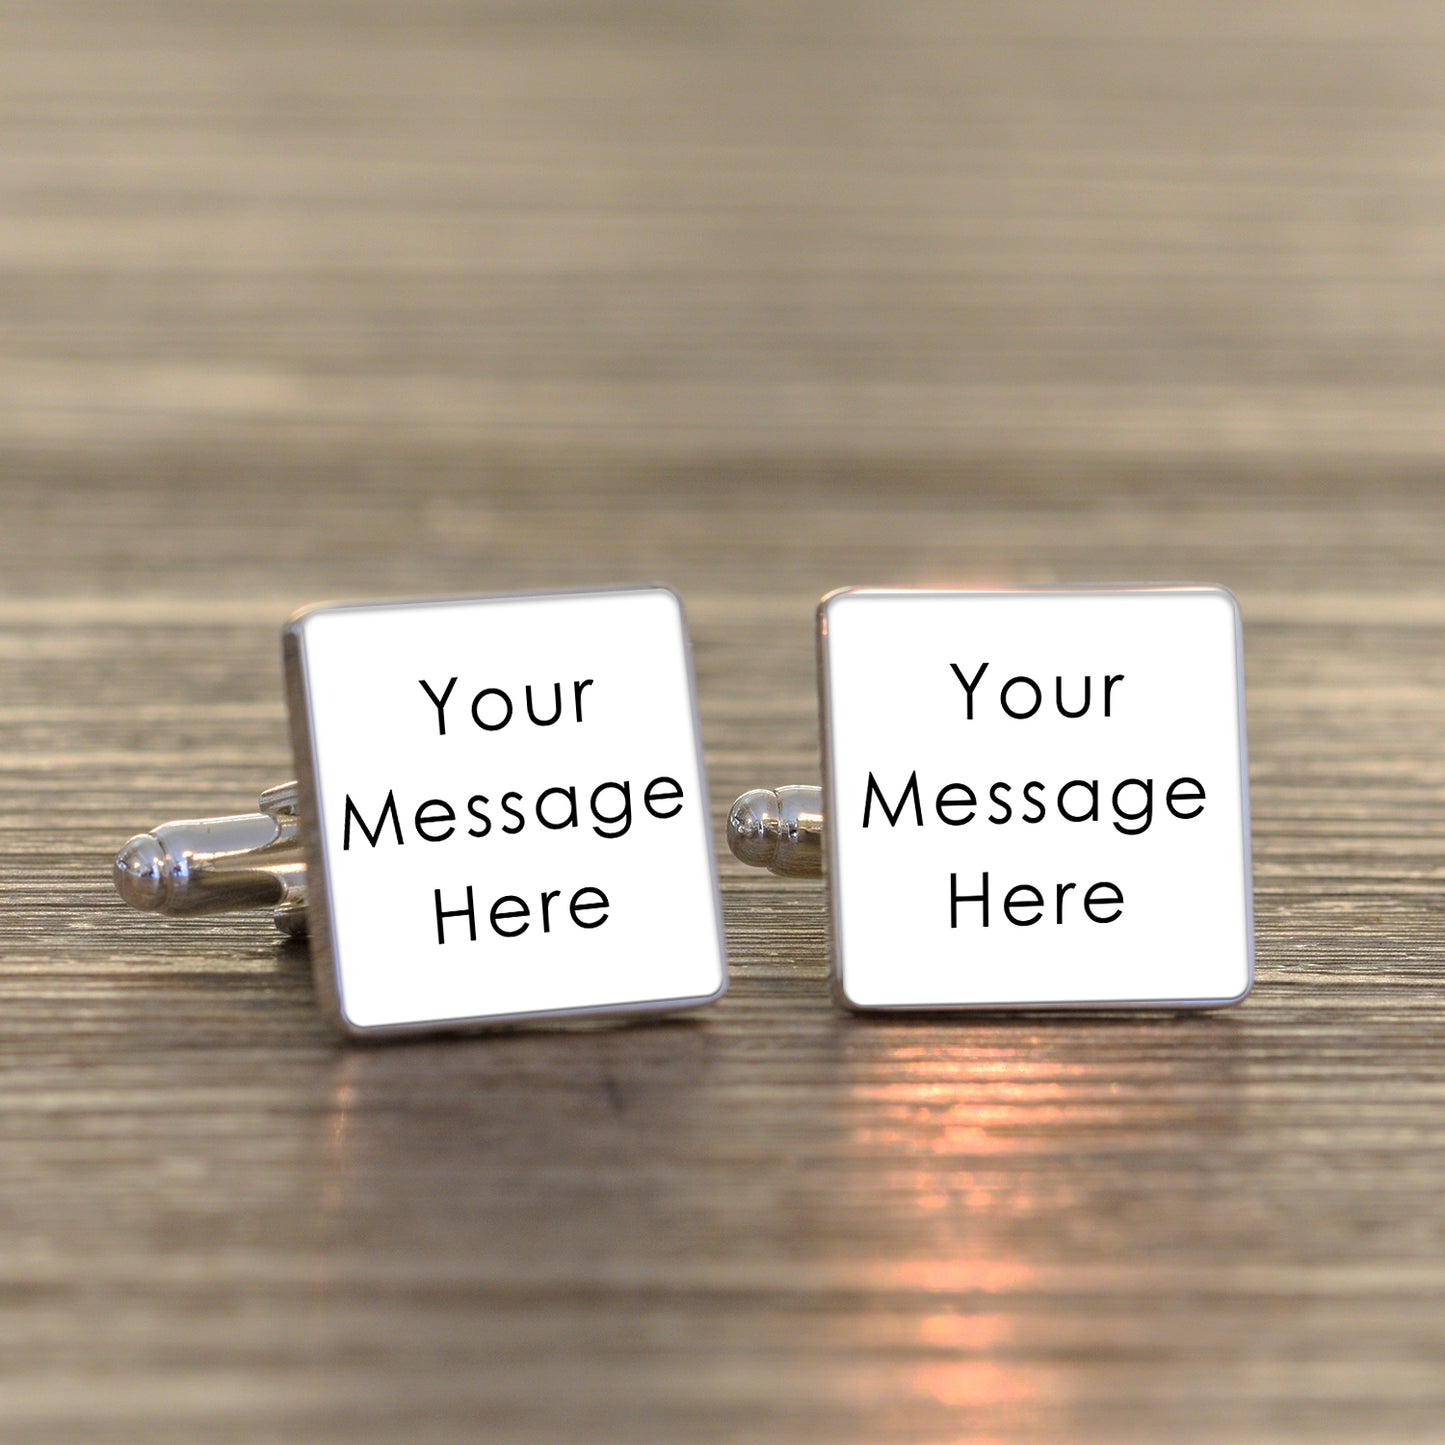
[
  {"x": 500, "y": 814},
  {"x": 1031, "y": 799}
]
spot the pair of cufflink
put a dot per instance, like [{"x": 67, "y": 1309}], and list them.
[{"x": 1031, "y": 799}]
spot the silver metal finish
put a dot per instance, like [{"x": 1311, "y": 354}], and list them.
[
  {"x": 217, "y": 865},
  {"x": 277, "y": 858},
  {"x": 780, "y": 830},
  {"x": 829, "y": 798},
  {"x": 319, "y": 922}
]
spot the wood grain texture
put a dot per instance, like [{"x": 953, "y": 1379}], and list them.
[{"x": 304, "y": 300}]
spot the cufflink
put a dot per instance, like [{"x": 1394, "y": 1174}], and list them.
[
  {"x": 1031, "y": 799},
  {"x": 500, "y": 814}
]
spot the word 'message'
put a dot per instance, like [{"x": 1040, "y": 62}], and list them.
[{"x": 608, "y": 809}]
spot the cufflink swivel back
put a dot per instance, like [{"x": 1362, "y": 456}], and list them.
[
  {"x": 1031, "y": 799},
  {"x": 780, "y": 830},
  {"x": 500, "y": 814},
  {"x": 217, "y": 865}
]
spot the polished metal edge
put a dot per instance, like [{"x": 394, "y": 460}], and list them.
[
  {"x": 830, "y": 804},
  {"x": 325, "y": 965}
]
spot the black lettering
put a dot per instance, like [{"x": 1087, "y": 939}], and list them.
[
  {"x": 1091, "y": 787},
  {"x": 545, "y": 722},
  {"x": 945, "y": 802},
  {"x": 1194, "y": 796},
  {"x": 509, "y": 802},
  {"x": 431, "y": 812},
  {"x": 956, "y": 898},
  {"x": 480, "y": 816},
  {"x": 1031, "y": 792},
  {"x": 652, "y": 795},
  {"x": 570, "y": 821},
  {"x": 441, "y": 703},
  {"x": 1144, "y": 816},
  {"x": 968, "y": 686},
  {"x": 372, "y": 835},
  {"x": 469, "y": 913},
  {"x": 477, "y": 709},
  {"x": 1107, "y": 893},
  {"x": 1109, "y": 688},
  {"x": 578, "y": 688},
  {"x": 612, "y": 820},
  {"x": 547, "y": 898},
  {"x": 893, "y": 814},
  {"x": 1059, "y": 900},
  {"x": 1028, "y": 682},
  {"x": 577, "y": 906},
  {"x": 1059, "y": 697},
  {"x": 1025, "y": 895},
  {"x": 1003, "y": 803},
  {"x": 500, "y": 915}
]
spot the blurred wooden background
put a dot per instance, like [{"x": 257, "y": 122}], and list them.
[{"x": 304, "y": 298}]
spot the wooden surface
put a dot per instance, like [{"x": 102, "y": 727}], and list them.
[{"x": 305, "y": 299}]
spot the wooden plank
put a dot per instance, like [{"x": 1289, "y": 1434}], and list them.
[{"x": 301, "y": 301}]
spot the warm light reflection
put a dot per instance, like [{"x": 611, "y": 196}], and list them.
[
  {"x": 338, "y": 1121},
  {"x": 956, "y": 1132},
  {"x": 997, "y": 1158},
  {"x": 973, "y": 1383},
  {"x": 932, "y": 1104},
  {"x": 958, "y": 1276},
  {"x": 964, "y": 1332}
]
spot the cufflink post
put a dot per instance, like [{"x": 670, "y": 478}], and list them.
[
  {"x": 779, "y": 829},
  {"x": 219, "y": 865}
]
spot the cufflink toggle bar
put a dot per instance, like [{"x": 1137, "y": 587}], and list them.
[
  {"x": 218, "y": 865},
  {"x": 780, "y": 830},
  {"x": 400, "y": 713}
]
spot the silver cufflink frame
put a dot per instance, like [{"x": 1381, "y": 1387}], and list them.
[
  {"x": 339, "y": 874},
  {"x": 793, "y": 832}
]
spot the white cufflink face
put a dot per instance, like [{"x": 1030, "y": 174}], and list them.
[
  {"x": 1036, "y": 798},
  {"x": 504, "y": 809}
]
